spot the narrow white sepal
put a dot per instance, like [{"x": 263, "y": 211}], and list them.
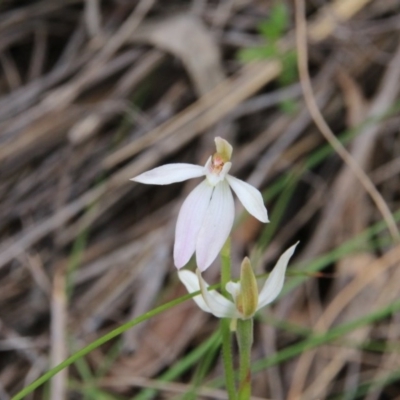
[
  {"x": 250, "y": 197},
  {"x": 191, "y": 282},
  {"x": 218, "y": 304},
  {"x": 233, "y": 288},
  {"x": 170, "y": 173},
  {"x": 190, "y": 221},
  {"x": 274, "y": 284},
  {"x": 216, "y": 226}
]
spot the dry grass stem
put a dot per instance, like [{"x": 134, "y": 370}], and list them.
[{"x": 93, "y": 93}]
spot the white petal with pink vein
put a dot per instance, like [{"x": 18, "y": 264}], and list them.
[
  {"x": 216, "y": 227},
  {"x": 190, "y": 221}
]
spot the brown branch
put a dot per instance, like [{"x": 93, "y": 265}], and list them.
[{"x": 302, "y": 57}]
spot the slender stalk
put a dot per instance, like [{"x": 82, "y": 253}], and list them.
[
  {"x": 228, "y": 359},
  {"x": 244, "y": 336},
  {"x": 225, "y": 324},
  {"x": 225, "y": 266}
]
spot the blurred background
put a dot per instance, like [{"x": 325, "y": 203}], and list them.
[{"x": 94, "y": 92}]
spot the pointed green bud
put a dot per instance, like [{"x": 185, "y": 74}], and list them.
[
  {"x": 224, "y": 149},
  {"x": 247, "y": 300}
]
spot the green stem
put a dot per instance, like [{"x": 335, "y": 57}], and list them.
[
  {"x": 225, "y": 266},
  {"x": 225, "y": 324},
  {"x": 245, "y": 341},
  {"x": 228, "y": 359}
]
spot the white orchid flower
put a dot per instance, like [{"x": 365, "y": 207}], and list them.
[
  {"x": 246, "y": 298},
  {"x": 206, "y": 217}
]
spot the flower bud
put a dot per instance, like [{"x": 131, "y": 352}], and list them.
[{"x": 247, "y": 300}]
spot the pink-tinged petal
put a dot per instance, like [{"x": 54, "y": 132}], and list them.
[
  {"x": 170, "y": 173},
  {"x": 218, "y": 304},
  {"x": 250, "y": 197},
  {"x": 274, "y": 284},
  {"x": 191, "y": 282},
  {"x": 190, "y": 220},
  {"x": 216, "y": 226}
]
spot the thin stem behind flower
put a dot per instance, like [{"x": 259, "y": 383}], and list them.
[
  {"x": 225, "y": 324},
  {"x": 245, "y": 342}
]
